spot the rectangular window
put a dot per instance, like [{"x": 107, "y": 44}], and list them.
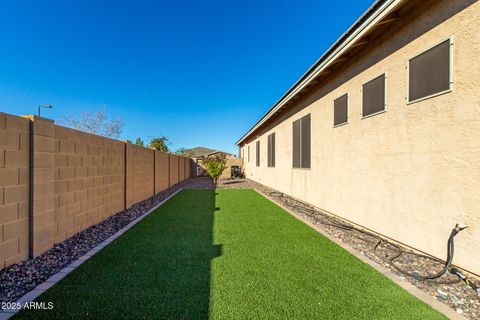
[
  {"x": 301, "y": 142},
  {"x": 429, "y": 72},
  {"x": 340, "y": 110},
  {"x": 271, "y": 150},
  {"x": 257, "y": 155},
  {"x": 248, "y": 153},
  {"x": 296, "y": 144},
  {"x": 373, "y": 96}
]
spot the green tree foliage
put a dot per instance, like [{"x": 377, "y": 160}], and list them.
[
  {"x": 215, "y": 164},
  {"x": 139, "y": 142},
  {"x": 159, "y": 143},
  {"x": 181, "y": 151}
]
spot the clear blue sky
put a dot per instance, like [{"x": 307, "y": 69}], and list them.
[{"x": 198, "y": 72}]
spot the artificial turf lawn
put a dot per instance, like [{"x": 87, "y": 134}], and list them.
[{"x": 226, "y": 254}]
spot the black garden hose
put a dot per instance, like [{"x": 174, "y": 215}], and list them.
[
  {"x": 311, "y": 212},
  {"x": 450, "y": 253},
  {"x": 459, "y": 274}
]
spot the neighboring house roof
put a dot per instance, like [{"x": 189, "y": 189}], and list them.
[
  {"x": 381, "y": 12},
  {"x": 215, "y": 152},
  {"x": 199, "y": 152}
]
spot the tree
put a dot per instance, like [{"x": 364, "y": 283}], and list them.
[
  {"x": 215, "y": 165},
  {"x": 139, "y": 142},
  {"x": 96, "y": 123},
  {"x": 159, "y": 143},
  {"x": 181, "y": 151}
]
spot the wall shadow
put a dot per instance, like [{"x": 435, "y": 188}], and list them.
[
  {"x": 160, "y": 269},
  {"x": 185, "y": 257}
]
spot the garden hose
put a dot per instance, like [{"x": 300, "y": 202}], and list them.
[
  {"x": 458, "y": 273},
  {"x": 313, "y": 213},
  {"x": 450, "y": 253}
]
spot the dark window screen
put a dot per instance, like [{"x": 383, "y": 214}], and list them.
[
  {"x": 373, "y": 96},
  {"x": 271, "y": 150},
  {"x": 429, "y": 72},
  {"x": 340, "y": 110},
  {"x": 257, "y": 155},
  {"x": 296, "y": 143},
  {"x": 301, "y": 142},
  {"x": 248, "y": 153},
  {"x": 306, "y": 141}
]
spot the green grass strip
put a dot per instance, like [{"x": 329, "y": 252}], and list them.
[{"x": 226, "y": 254}]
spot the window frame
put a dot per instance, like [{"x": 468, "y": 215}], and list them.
[
  {"x": 348, "y": 110},
  {"x": 450, "y": 67},
  {"x": 385, "y": 73},
  {"x": 257, "y": 153},
  {"x": 270, "y": 148},
  {"x": 248, "y": 153},
  {"x": 300, "y": 143}
]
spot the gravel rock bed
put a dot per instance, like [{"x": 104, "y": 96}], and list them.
[
  {"x": 17, "y": 279},
  {"x": 447, "y": 289}
]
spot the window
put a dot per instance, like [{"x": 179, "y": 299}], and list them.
[
  {"x": 301, "y": 142},
  {"x": 373, "y": 96},
  {"x": 257, "y": 155},
  {"x": 271, "y": 150},
  {"x": 248, "y": 153},
  {"x": 429, "y": 72},
  {"x": 340, "y": 110}
]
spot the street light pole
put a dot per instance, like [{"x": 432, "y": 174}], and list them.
[{"x": 47, "y": 106}]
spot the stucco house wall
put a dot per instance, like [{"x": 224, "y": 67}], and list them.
[
  {"x": 410, "y": 173},
  {"x": 232, "y": 161}
]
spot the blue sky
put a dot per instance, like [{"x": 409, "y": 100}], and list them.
[{"x": 198, "y": 72}]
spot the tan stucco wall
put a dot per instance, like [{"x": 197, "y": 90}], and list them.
[
  {"x": 227, "y": 173},
  {"x": 410, "y": 173}
]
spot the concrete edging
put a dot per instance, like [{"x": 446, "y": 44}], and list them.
[
  {"x": 404, "y": 284},
  {"x": 50, "y": 282}
]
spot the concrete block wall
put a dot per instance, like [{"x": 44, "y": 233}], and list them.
[
  {"x": 67, "y": 180},
  {"x": 14, "y": 188},
  {"x": 189, "y": 167},
  {"x": 181, "y": 167},
  {"x": 162, "y": 168},
  {"x": 174, "y": 173},
  {"x": 78, "y": 181},
  {"x": 140, "y": 173}
]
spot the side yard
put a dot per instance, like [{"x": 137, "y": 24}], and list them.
[{"x": 226, "y": 254}]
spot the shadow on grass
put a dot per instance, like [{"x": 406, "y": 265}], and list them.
[{"x": 161, "y": 268}]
